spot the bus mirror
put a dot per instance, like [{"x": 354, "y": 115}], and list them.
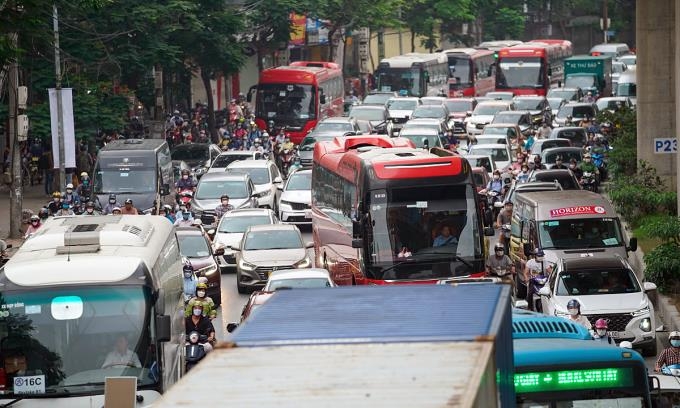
[
  {"x": 159, "y": 301},
  {"x": 356, "y": 228},
  {"x": 632, "y": 245},
  {"x": 252, "y": 89},
  {"x": 322, "y": 99},
  {"x": 165, "y": 190},
  {"x": 163, "y": 328},
  {"x": 426, "y": 75},
  {"x": 527, "y": 249},
  {"x": 654, "y": 383},
  {"x": 549, "y": 71},
  {"x": 231, "y": 327},
  {"x": 357, "y": 243}
]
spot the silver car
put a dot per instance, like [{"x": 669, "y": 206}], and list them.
[
  {"x": 267, "y": 248},
  {"x": 296, "y": 198},
  {"x": 230, "y": 231},
  {"x": 239, "y": 188}
]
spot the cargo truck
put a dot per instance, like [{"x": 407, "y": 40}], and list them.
[
  {"x": 361, "y": 346},
  {"x": 590, "y": 73}
]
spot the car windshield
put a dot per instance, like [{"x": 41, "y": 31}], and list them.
[
  {"x": 358, "y": 112},
  {"x": 577, "y": 111},
  {"x": 479, "y": 179},
  {"x": 334, "y": 127},
  {"x": 281, "y": 239},
  {"x": 191, "y": 152},
  {"x": 626, "y": 89},
  {"x": 213, "y": 189},
  {"x": 499, "y": 130},
  {"x": 301, "y": 283},
  {"x": 402, "y": 104},
  {"x": 488, "y": 109},
  {"x": 377, "y": 99},
  {"x": 429, "y": 125},
  {"x": 259, "y": 175},
  {"x": 507, "y": 117},
  {"x": 240, "y": 224},
  {"x": 286, "y": 104},
  {"x": 567, "y": 94},
  {"x": 610, "y": 104},
  {"x": 596, "y": 282},
  {"x": 617, "y": 67},
  {"x": 576, "y": 136},
  {"x": 224, "y": 160},
  {"x": 193, "y": 245},
  {"x": 580, "y": 233},
  {"x": 486, "y": 139},
  {"x": 551, "y": 157},
  {"x": 124, "y": 180},
  {"x": 581, "y": 81},
  {"x": 528, "y": 104},
  {"x": 566, "y": 179},
  {"x": 299, "y": 181},
  {"x": 68, "y": 338},
  {"x": 496, "y": 154},
  {"x": 421, "y": 140},
  {"x": 458, "y": 106},
  {"x": 429, "y": 111}
]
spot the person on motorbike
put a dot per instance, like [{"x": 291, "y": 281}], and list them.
[
  {"x": 186, "y": 182},
  {"x": 589, "y": 98},
  {"x": 33, "y": 227},
  {"x": 198, "y": 322},
  {"x": 209, "y": 309},
  {"x": 496, "y": 184},
  {"x": 601, "y": 334},
  {"x": 538, "y": 165},
  {"x": 587, "y": 165},
  {"x": 71, "y": 197},
  {"x": 43, "y": 214},
  {"x": 185, "y": 220},
  {"x": 113, "y": 203},
  {"x": 55, "y": 205},
  {"x": 223, "y": 207},
  {"x": 535, "y": 269},
  {"x": 544, "y": 131},
  {"x": 569, "y": 121},
  {"x": 523, "y": 175},
  {"x": 89, "y": 209},
  {"x": 671, "y": 355},
  {"x": 84, "y": 190},
  {"x": 504, "y": 218},
  {"x": 257, "y": 146},
  {"x": 166, "y": 212},
  {"x": 499, "y": 264},
  {"x": 529, "y": 142},
  {"x": 296, "y": 165},
  {"x": 129, "y": 208},
  {"x": 189, "y": 281},
  {"x": 64, "y": 210},
  {"x": 286, "y": 145},
  {"x": 559, "y": 164},
  {"x": 575, "y": 316}
]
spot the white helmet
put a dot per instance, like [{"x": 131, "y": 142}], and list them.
[
  {"x": 69, "y": 185},
  {"x": 626, "y": 344}
]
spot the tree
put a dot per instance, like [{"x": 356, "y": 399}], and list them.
[
  {"x": 267, "y": 25},
  {"x": 424, "y": 17}
]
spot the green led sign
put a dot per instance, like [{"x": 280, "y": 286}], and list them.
[{"x": 566, "y": 380}]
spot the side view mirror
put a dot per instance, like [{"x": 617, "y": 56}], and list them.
[
  {"x": 163, "y": 328},
  {"x": 165, "y": 189},
  {"x": 632, "y": 244},
  {"x": 279, "y": 186},
  {"x": 252, "y": 89},
  {"x": 527, "y": 249},
  {"x": 309, "y": 244},
  {"x": 278, "y": 180},
  {"x": 649, "y": 286},
  {"x": 219, "y": 251},
  {"x": 357, "y": 243},
  {"x": 322, "y": 99},
  {"x": 522, "y": 304},
  {"x": 231, "y": 327},
  {"x": 544, "y": 291},
  {"x": 235, "y": 247},
  {"x": 468, "y": 113}
]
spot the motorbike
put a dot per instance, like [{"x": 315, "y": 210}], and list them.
[
  {"x": 287, "y": 157},
  {"x": 536, "y": 282},
  {"x": 598, "y": 160},
  {"x": 505, "y": 236},
  {"x": 185, "y": 197},
  {"x": 194, "y": 349},
  {"x": 589, "y": 182}
]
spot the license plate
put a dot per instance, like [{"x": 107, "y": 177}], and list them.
[
  {"x": 614, "y": 334},
  {"x": 308, "y": 213}
]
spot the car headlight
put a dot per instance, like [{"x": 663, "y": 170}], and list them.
[
  {"x": 285, "y": 203},
  {"x": 208, "y": 270},
  {"x": 264, "y": 194},
  {"x": 646, "y": 324},
  {"x": 246, "y": 266},
  {"x": 560, "y": 313},
  {"x": 305, "y": 263},
  {"x": 200, "y": 171},
  {"x": 640, "y": 312}
]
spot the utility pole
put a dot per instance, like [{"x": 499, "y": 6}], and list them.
[
  {"x": 676, "y": 47},
  {"x": 60, "y": 109},
  {"x": 16, "y": 190},
  {"x": 605, "y": 19}
]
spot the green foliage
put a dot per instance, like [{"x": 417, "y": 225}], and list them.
[
  {"x": 505, "y": 23},
  {"x": 663, "y": 262}
]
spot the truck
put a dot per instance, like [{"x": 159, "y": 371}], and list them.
[
  {"x": 355, "y": 346},
  {"x": 590, "y": 73}
]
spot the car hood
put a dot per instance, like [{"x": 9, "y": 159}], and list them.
[
  {"x": 141, "y": 201},
  {"x": 226, "y": 239},
  {"x": 400, "y": 113},
  {"x": 190, "y": 163},
  {"x": 274, "y": 257},
  {"x": 262, "y": 187},
  {"x": 297, "y": 196},
  {"x": 201, "y": 262},
  {"x": 480, "y": 119},
  {"x": 210, "y": 204},
  {"x": 605, "y": 303}
]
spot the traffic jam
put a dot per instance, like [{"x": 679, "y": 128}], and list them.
[{"x": 438, "y": 239}]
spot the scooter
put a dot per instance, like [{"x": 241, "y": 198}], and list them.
[
  {"x": 589, "y": 182},
  {"x": 194, "y": 350},
  {"x": 287, "y": 156},
  {"x": 505, "y": 235},
  {"x": 185, "y": 196},
  {"x": 536, "y": 282},
  {"x": 36, "y": 177}
]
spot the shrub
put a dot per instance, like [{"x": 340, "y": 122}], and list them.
[{"x": 663, "y": 262}]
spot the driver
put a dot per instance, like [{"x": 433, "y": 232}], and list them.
[
  {"x": 445, "y": 238},
  {"x": 671, "y": 355},
  {"x": 201, "y": 324},
  {"x": 500, "y": 265},
  {"x": 121, "y": 355}
]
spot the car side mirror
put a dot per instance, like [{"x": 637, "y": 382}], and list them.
[
  {"x": 357, "y": 243},
  {"x": 219, "y": 251},
  {"x": 544, "y": 291},
  {"x": 649, "y": 286},
  {"x": 165, "y": 189},
  {"x": 527, "y": 249},
  {"x": 309, "y": 244},
  {"x": 279, "y": 186},
  {"x": 231, "y": 327},
  {"x": 633, "y": 244},
  {"x": 522, "y": 304},
  {"x": 278, "y": 180},
  {"x": 468, "y": 114},
  {"x": 235, "y": 247},
  {"x": 163, "y": 328}
]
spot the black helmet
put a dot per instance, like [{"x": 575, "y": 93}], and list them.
[
  {"x": 112, "y": 196},
  {"x": 44, "y": 213},
  {"x": 224, "y": 197},
  {"x": 574, "y": 304},
  {"x": 186, "y": 172},
  {"x": 89, "y": 204},
  {"x": 498, "y": 246}
]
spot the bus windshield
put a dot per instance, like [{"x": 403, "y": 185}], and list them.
[
  {"x": 459, "y": 68},
  {"x": 286, "y": 104},
  {"x": 124, "y": 175},
  {"x": 404, "y": 80},
  {"x": 520, "y": 72},
  {"x": 438, "y": 226},
  {"x": 67, "y": 341},
  {"x": 580, "y": 233},
  {"x": 581, "y": 81}
]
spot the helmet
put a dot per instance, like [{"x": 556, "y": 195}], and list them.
[
  {"x": 187, "y": 267},
  {"x": 498, "y": 246},
  {"x": 167, "y": 208},
  {"x": 601, "y": 324},
  {"x": 674, "y": 335},
  {"x": 539, "y": 252},
  {"x": 115, "y": 209},
  {"x": 257, "y": 141},
  {"x": 112, "y": 197},
  {"x": 65, "y": 204},
  {"x": 89, "y": 204},
  {"x": 573, "y": 304},
  {"x": 56, "y": 194},
  {"x": 35, "y": 218},
  {"x": 186, "y": 172},
  {"x": 626, "y": 344},
  {"x": 128, "y": 201},
  {"x": 201, "y": 286},
  {"x": 44, "y": 213},
  {"x": 224, "y": 197},
  {"x": 197, "y": 222},
  {"x": 69, "y": 186},
  {"x": 265, "y": 134},
  {"x": 84, "y": 174}
]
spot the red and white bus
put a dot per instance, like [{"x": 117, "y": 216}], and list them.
[
  {"x": 297, "y": 96},
  {"x": 472, "y": 72},
  {"x": 384, "y": 212},
  {"x": 533, "y": 67}
]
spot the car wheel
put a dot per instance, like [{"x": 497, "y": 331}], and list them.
[{"x": 650, "y": 351}]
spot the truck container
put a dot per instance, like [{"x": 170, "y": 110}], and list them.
[
  {"x": 590, "y": 73},
  {"x": 397, "y": 346}
]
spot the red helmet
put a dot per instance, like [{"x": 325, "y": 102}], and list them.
[{"x": 601, "y": 324}]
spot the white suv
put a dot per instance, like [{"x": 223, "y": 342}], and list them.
[
  {"x": 266, "y": 177},
  {"x": 607, "y": 288}
]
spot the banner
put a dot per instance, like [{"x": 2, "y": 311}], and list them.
[
  {"x": 69, "y": 128},
  {"x": 298, "y": 23}
]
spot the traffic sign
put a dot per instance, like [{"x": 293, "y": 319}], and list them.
[{"x": 667, "y": 145}]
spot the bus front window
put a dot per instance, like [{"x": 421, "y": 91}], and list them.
[
  {"x": 402, "y": 80},
  {"x": 125, "y": 175},
  {"x": 423, "y": 233},
  {"x": 580, "y": 233},
  {"x": 286, "y": 104},
  {"x": 72, "y": 339},
  {"x": 520, "y": 73}
]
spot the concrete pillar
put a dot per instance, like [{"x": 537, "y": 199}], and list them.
[{"x": 655, "y": 21}]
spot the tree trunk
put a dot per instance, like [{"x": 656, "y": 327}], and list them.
[
  {"x": 413, "y": 41},
  {"x": 211, "y": 106},
  {"x": 331, "y": 37}
]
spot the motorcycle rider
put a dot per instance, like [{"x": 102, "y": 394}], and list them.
[
  {"x": 64, "y": 210},
  {"x": 128, "y": 208},
  {"x": 544, "y": 131},
  {"x": 523, "y": 175},
  {"x": 185, "y": 220},
  {"x": 33, "y": 227},
  {"x": 601, "y": 333},
  {"x": 71, "y": 197},
  {"x": 558, "y": 163},
  {"x": 587, "y": 166},
  {"x": 505, "y": 218},
  {"x": 190, "y": 281},
  {"x": 573, "y": 166},
  {"x": 164, "y": 212},
  {"x": 500, "y": 265},
  {"x": 574, "y": 309},
  {"x": 207, "y": 302},
  {"x": 670, "y": 355},
  {"x": 55, "y": 205},
  {"x": 223, "y": 208},
  {"x": 296, "y": 165},
  {"x": 108, "y": 209},
  {"x": 496, "y": 184},
  {"x": 533, "y": 270},
  {"x": 89, "y": 209},
  {"x": 197, "y": 322},
  {"x": 186, "y": 182},
  {"x": 84, "y": 190},
  {"x": 537, "y": 163}
]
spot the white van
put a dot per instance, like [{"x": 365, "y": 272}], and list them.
[
  {"x": 613, "y": 50},
  {"x": 627, "y": 85}
]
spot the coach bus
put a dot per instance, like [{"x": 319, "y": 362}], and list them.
[
  {"x": 557, "y": 364},
  {"x": 297, "y": 96},
  {"x": 384, "y": 212},
  {"x": 497, "y": 45},
  {"x": 86, "y": 298},
  {"x": 532, "y": 68},
  {"x": 472, "y": 72},
  {"x": 413, "y": 74}
]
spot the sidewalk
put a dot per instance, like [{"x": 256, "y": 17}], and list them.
[{"x": 33, "y": 199}]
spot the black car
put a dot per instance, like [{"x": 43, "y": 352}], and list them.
[
  {"x": 563, "y": 176},
  {"x": 199, "y": 156}
]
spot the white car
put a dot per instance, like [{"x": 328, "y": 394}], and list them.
[
  {"x": 401, "y": 109},
  {"x": 226, "y": 158},
  {"x": 266, "y": 177},
  {"x": 607, "y": 288},
  {"x": 483, "y": 115},
  {"x": 499, "y": 153},
  {"x": 299, "y": 279},
  {"x": 230, "y": 230},
  {"x": 296, "y": 198}
]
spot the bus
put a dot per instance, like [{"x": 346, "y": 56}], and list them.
[
  {"x": 472, "y": 72},
  {"x": 384, "y": 212},
  {"x": 77, "y": 290},
  {"x": 557, "y": 364},
  {"x": 413, "y": 74},
  {"x": 297, "y": 96},
  {"x": 533, "y": 67},
  {"x": 497, "y": 45}
]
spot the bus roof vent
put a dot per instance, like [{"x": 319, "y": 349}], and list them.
[
  {"x": 363, "y": 149},
  {"x": 132, "y": 230},
  {"x": 80, "y": 239},
  {"x": 133, "y": 141},
  {"x": 547, "y": 327}
]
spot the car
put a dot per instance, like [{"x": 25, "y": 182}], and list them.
[
  {"x": 378, "y": 116},
  {"x": 520, "y": 118},
  {"x": 499, "y": 153},
  {"x": 431, "y": 111},
  {"x": 377, "y": 98},
  {"x": 614, "y": 103},
  {"x": 478, "y": 160},
  {"x": 530, "y": 186},
  {"x": 508, "y": 130},
  {"x": 255, "y": 300},
  {"x": 239, "y": 188},
  {"x": 569, "y": 94},
  {"x": 338, "y": 124},
  {"x": 577, "y": 110},
  {"x": 310, "y": 278},
  {"x": 266, "y": 248},
  {"x": 423, "y": 137},
  {"x": 629, "y": 59},
  {"x": 231, "y": 227},
  {"x": 556, "y": 103},
  {"x": 481, "y": 178},
  {"x": 266, "y": 178},
  {"x": 500, "y": 95},
  {"x": 565, "y": 177},
  {"x": 536, "y": 105},
  {"x": 433, "y": 100},
  {"x": 306, "y": 147},
  {"x": 548, "y": 156},
  {"x": 401, "y": 109},
  {"x": 542, "y": 144},
  {"x": 575, "y": 134},
  {"x": 439, "y": 125},
  {"x": 618, "y": 68},
  {"x": 295, "y": 201},
  {"x": 194, "y": 245},
  {"x": 458, "y": 111},
  {"x": 483, "y": 115},
  {"x": 199, "y": 156},
  {"x": 606, "y": 288},
  {"x": 225, "y": 158},
  {"x": 491, "y": 139}
]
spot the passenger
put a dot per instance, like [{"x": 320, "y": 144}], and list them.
[
  {"x": 670, "y": 355},
  {"x": 65, "y": 210},
  {"x": 523, "y": 175},
  {"x": 34, "y": 227},
  {"x": 208, "y": 304},
  {"x": 121, "y": 355},
  {"x": 116, "y": 211},
  {"x": 185, "y": 220},
  {"x": 108, "y": 209},
  {"x": 190, "y": 281},
  {"x": 199, "y": 323},
  {"x": 574, "y": 309},
  {"x": 223, "y": 208},
  {"x": 445, "y": 238},
  {"x": 536, "y": 265},
  {"x": 601, "y": 332}
]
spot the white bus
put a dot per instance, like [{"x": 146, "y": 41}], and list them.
[
  {"x": 414, "y": 74},
  {"x": 87, "y": 298}
]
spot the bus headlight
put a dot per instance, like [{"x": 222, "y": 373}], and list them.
[
  {"x": 245, "y": 265},
  {"x": 646, "y": 324}
]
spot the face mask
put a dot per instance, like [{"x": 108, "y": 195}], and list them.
[
  {"x": 86, "y": 181},
  {"x": 601, "y": 332},
  {"x": 499, "y": 253},
  {"x": 90, "y": 210},
  {"x": 34, "y": 222},
  {"x": 185, "y": 216},
  {"x": 187, "y": 274},
  {"x": 69, "y": 191},
  {"x": 200, "y": 293},
  {"x": 573, "y": 312},
  {"x": 112, "y": 201},
  {"x": 56, "y": 200},
  {"x": 675, "y": 343},
  {"x": 572, "y": 166},
  {"x": 587, "y": 160},
  {"x": 185, "y": 177},
  {"x": 198, "y": 312}
]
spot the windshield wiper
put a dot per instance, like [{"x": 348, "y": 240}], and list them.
[{"x": 456, "y": 257}]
